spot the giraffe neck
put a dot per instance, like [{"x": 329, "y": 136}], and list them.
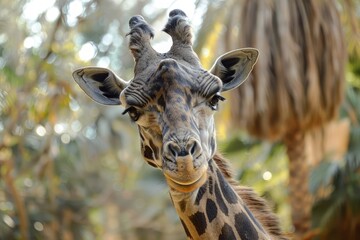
[{"x": 215, "y": 211}]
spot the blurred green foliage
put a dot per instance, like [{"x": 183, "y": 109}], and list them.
[
  {"x": 71, "y": 169},
  {"x": 336, "y": 184}
]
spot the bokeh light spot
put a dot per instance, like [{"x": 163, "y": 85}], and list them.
[
  {"x": 267, "y": 176},
  {"x": 40, "y": 130},
  {"x": 87, "y": 51}
]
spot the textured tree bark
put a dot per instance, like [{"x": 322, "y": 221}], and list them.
[{"x": 299, "y": 170}]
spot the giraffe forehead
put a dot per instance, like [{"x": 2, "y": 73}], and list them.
[
  {"x": 172, "y": 79},
  {"x": 171, "y": 74}
]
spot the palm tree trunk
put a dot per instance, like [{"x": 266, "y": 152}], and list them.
[{"x": 299, "y": 170}]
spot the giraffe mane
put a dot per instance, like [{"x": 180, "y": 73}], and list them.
[{"x": 257, "y": 205}]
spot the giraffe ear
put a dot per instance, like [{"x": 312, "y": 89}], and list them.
[
  {"x": 100, "y": 84},
  {"x": 234, "y": 67}
]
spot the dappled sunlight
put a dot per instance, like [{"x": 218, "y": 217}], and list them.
[{"x": 87, "y": 51}]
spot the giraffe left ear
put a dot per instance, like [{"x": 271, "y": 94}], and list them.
[{"x": 234, "y": 67}]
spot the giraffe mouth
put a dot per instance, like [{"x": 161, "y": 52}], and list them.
[
  {"x": 186, "y": 187},
  {"x": 185, "y": 173}
]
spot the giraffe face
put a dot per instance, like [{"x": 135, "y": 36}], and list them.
[
  {"x": 171, "y": 98},
  {"x": 174, "y": 113}
]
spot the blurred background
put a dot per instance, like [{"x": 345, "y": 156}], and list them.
[{"x": 71, "y": 169}]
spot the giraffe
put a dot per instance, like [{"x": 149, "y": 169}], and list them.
[{"x": 172, "y": 100}]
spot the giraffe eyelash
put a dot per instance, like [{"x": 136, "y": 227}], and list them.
[
  {"x": 214, "y": 101},
  {"x": 134, "y": 113}
]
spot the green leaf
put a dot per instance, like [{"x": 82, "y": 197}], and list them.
[
  {"x": 355, "y": 137},
  {"x": 324, "y": 211},
  {"x": 322, "y": 175}
]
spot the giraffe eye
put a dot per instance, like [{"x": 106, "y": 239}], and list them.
[
  {"x": 133, "y": 113},
  {"x": 214, "y": 101}
]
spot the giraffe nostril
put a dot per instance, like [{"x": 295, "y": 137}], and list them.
[
  {"x": 193, "y": 148},
  {"x": 173, "y": 149}
]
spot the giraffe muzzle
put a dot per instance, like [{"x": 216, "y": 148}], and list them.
[
  {"x": 186, "y": 178},
  {"x": 184, "y": 165}
]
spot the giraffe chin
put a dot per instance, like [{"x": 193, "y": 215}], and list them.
[{"x": 186, "y": 187}]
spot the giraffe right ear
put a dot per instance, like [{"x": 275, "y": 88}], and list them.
[{"x": 100, "y": 84}]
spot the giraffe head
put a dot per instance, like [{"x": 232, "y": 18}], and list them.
[{"x": 171, "y": 98}]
